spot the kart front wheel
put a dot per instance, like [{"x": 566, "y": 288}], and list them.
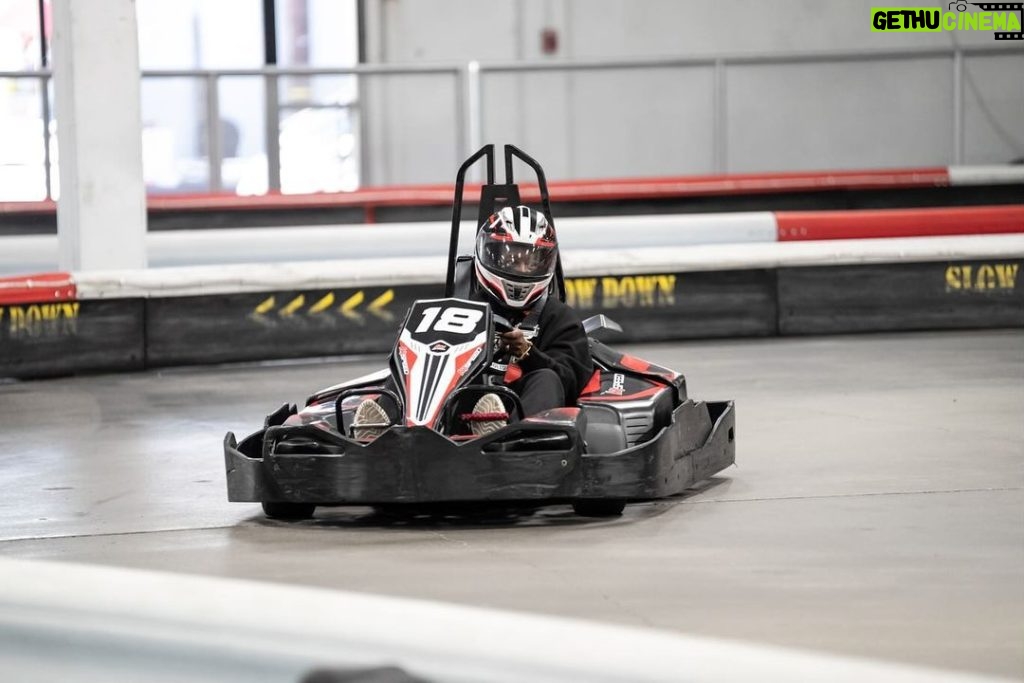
[
  {"x": 288, "y": 511},
  {"x": 592, "y": 507}
]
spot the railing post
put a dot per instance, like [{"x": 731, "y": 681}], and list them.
[
  {"x": 273, "y": 132},
  {"x": 461, "y": 114},
  {"x": 214, "y": 151},
  {"x": 958, "y": 107},
  {"x": 720, "y": 131},
  {"x": 473, "y": 111},
  {"x": 44, "y": 92}
]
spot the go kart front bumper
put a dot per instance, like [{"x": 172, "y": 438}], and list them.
[{"x": 530, "y": 460}]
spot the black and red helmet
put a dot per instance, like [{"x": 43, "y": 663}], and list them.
[{"x": 516, "y": 253}]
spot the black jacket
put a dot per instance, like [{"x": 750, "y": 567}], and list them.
[{"x": 561, "y": 345}]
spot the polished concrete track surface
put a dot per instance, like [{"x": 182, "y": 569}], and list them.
[{"x": 877, "y": 508}]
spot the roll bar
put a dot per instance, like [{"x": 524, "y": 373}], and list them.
[{"x": 492, "y": 196}]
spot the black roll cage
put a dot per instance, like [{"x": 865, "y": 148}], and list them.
[{"x": 494, "y": 196}]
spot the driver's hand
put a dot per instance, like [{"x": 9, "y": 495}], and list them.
[{"x": 516, "y": 343}]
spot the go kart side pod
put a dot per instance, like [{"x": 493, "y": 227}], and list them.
[{"x": 699, "y": 442}]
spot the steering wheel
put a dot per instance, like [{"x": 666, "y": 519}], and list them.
[{"x": 501, "y": 357}]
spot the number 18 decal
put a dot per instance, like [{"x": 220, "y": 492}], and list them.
[{"x": 454, "y": 319}]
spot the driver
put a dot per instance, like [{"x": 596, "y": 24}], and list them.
[
  {"x": 546, "y": 350},
  {"x": 548, "y": 354}
]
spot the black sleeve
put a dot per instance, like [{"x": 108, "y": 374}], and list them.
[{"x": 562, "y": 346}]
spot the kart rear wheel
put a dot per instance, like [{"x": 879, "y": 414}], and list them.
[
  {"x": 288, "y": 511},
  {"x": 599, "y": 507}
]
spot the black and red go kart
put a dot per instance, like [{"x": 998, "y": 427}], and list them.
[{"x": 633, "y": 435}]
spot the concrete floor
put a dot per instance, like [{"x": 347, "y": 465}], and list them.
[{"x": 877, "y": 508}]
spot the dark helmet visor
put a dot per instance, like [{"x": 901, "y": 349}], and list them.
[{"x": 515, "y": 260}]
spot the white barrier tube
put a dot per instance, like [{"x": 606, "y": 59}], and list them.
[
  {"x": 796, "y": 254},
  {"x": 196, "y": 280},
  {"x": 79, "y": 622},
  {"x": 38, "y": 253},
  {"x": 986, "y": 175}
]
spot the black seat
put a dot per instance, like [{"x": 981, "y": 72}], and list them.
[{"x": 463, "y": 277}]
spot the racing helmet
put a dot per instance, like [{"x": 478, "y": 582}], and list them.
[{"x": 516, "y": 253}]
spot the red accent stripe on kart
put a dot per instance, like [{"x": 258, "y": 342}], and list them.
[
  {"x": 839, "y": 225},
  {"x": 410, "y": 359},
  {"x": 483, "y": 417},
  {"x": 594, "y": 385},
  {"x": 38, "y": 288},
  {"x": 634, "y": 363},
  {"x": 650, "y": 391},
  {"x": 513, "y": 373}
]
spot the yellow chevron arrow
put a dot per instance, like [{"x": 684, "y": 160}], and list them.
[
  {"x": 376, "y": 307},
  {"x": 322, "y": 305},
  {"x": 265, "y": 305},
  {"x": 348, "y": 308},
  {"x": 293, "y": 305}
]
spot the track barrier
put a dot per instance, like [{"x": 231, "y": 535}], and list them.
[{"x": 893, "y": 270}]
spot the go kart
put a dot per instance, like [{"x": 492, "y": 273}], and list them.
[{"x": 634, "y": 434}]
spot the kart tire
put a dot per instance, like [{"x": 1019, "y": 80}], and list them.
[
  {"x": 288, "y": 511},
  {"x": 603, "y": 507}
]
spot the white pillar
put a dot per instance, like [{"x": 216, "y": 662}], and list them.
[{"x": 101, "y": 213}]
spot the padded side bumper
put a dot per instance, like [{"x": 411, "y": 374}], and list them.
[
  {"x": 699, "y": 443},
  {"x": 241, "y": 464}
]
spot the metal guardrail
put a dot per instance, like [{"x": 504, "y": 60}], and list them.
[{"x": 469, "y": 106}]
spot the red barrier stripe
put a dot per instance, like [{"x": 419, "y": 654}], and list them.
[
  {"x": 841, "y": 225},
  {"x": 750, "y": 183},
  {"x": 577, "y": 190},
  {"x": 27, "y": 207},
  {"x": 38, "y": 288},
  {"x": 580, "y": 190}
]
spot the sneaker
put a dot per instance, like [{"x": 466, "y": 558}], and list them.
[
  {"x": 370, "y": 421},
  {"x": 489, "y": 404}
]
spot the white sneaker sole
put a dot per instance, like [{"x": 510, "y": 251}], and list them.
[
  {"x": 488, "y": 403},
  {"x": 370, "y": 421}
]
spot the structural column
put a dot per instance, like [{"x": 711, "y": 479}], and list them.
[{"x": 101, "y": 213}]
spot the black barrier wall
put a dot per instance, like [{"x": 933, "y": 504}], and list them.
[
  {"x": 271, "y": 325},
  {"x": 290, "y": 324},
  {"x": 665, "y": 306},
  {"x": 48, "y": 339},
  {"x": 62, "y": 338},
  {"x": 908, "y": 296}
]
